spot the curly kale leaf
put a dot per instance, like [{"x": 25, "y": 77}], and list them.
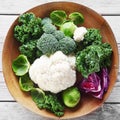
[
  {"x": 92, "y": 36},
  {"x": 52, "y": 104},
  {"x": 30, "y": 50},
  {"x": 29, "y": 28},
  {"x": 47, "y": 101},
  {"x": 93, "y": 58}
]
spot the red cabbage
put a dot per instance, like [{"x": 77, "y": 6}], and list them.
[
  {"x": 91, "y": 84},
  {"x": 95, "y": 84},
  {"x": 105, "y": 79}
]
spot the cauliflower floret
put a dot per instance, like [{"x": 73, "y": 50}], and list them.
[
  {"x": 54, "y": 73},
  {"x": 79, "y": 34}
]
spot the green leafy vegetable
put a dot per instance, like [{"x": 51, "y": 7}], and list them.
[
  {"x": 71, "y": 97},
  {"x": 20, "y": 65},
  {"x": 26, "y": 83},
  {"x": 76, "y": 17},
  {"x": 93, "y": 58},
  {"x": 68, "y": 28},
  {"x": 48, "y": 44},
  {"x": 47, "y": 101},
  {"x": 30, "y": 50},
  {"x": 58, "y": 17},
  {"x": 92, "y": 36},
  {"x": 26, "y": 18},
  {"x": 29, "y": 28},
  {"x": 38, "y": 96}
]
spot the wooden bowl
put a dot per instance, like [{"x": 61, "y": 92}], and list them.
[{"x": 10, "y": 52}]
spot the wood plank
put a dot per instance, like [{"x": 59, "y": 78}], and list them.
[
  {"x": 6, "y": 21},
  {"x": 13, "y": 111},
  {"x": 5, "y": 95},
  {"x": 18, "y": 7}
]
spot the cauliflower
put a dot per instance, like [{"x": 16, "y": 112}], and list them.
[
  {"x": 79, "y": 34},
  {"x": 54, "y": 73}
]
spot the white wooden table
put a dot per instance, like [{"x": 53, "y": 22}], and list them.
[{"x": 9, "y": 11}]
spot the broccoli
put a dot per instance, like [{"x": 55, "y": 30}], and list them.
[
  {"x": 29, "y": 28},
  {"x": 46, "y": 20},
  {"x": 67, "y": 45},
  {"x": 30, "y": 50},
  {"x": 48, "y": 44},
  {"x": 49, "y": 28},
  {"x": 58, "y": 35},
  {"x": 92, "y": 36}
]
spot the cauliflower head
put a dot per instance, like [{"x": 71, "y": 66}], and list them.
[
  {"x": 54, "y": 73},
  {"x": 79, "y": 34}
]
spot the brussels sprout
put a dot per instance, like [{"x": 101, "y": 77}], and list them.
[
  {"x": 68, "y": 28},
  {"x": 71, "y": 97}
]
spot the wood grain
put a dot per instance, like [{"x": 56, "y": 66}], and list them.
[
  {"x": 10, "y": 52},
  {"x": 101, "y": 6},
  {"x": 9, "y": 10},
  {"x": 13, "y": 111}
]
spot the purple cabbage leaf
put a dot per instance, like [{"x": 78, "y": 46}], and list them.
[{"x": 96, "y": 84}]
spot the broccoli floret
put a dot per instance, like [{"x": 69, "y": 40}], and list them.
[
  {"x": 58, "y": 35},
  {"x": 29, "y": 28},
  {"x": 30, "y": 50},
  {"x": 49, "y": 28},
  {"x": 46, "y": 20},
  {"x": 48, "y": 44},
  {"x": 92, "y": 36},
  {"x": 67, "y": 45}
]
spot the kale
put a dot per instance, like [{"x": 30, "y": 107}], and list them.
[
  {"x": 52, "y": 104},
  {"x": 30, "y": 50},
  {"x": 92, "y": 36},
  {"x": 29, "y": 28},
  {"x": 48, "y": 101},
  {"x": 93, "y": 58}
]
